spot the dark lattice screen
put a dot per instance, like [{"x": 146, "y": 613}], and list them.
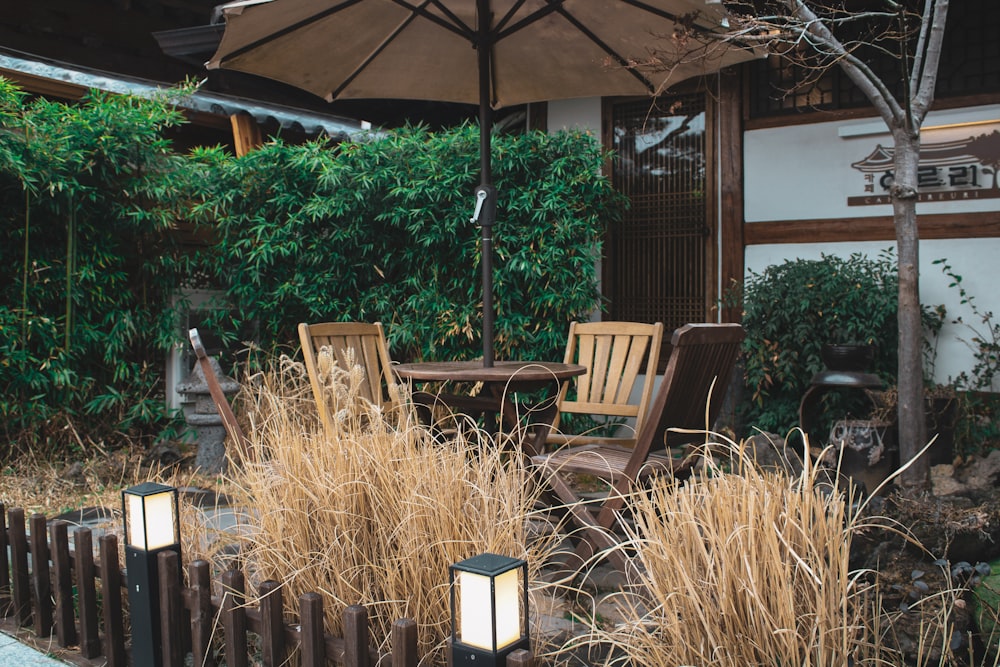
[
  {"x": 970, "y": 65},
  {"x": 655, "y": 261}
]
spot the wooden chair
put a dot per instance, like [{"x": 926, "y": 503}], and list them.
[
  {"x": 233, "y": 429},
  {"x": 689, "y": 397},
  {"x": 350, "y": 344},
  {"x": 613, "y": 353}
]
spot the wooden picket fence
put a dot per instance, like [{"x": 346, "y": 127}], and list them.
[{"x": 79, "y": 599}]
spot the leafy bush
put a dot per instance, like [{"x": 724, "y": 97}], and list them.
[
  {"x": 380, "y": 230},
  {"x": 88, "y": 196},
  {"x": 978, "y": 429},
  {"x": 792, "y": 309},
  {"x": 92, "y": 194}
]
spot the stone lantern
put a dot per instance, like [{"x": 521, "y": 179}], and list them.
[{"x": 204, "y": 419}]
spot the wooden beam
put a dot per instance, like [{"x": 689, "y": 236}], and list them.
[
  {"x": 246, "y": 133},
  {"x": 40, "y": 85},
  {"x": 880, "y": 228}
]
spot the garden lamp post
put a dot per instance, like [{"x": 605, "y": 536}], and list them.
[
  {"x": 152, "y": 526},
  {"x": 492, "y": 610}
]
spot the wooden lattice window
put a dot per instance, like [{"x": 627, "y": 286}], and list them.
[
  {"x": 970, "y": 65},
  {"x": 656, "y": 266}
]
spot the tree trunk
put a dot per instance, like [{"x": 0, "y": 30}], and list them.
[{"x": 912, "y": 426}]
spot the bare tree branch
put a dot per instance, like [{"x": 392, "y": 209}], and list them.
[
  {"x": 870, "y": 84},
  {"x": 928, "y": 55}
]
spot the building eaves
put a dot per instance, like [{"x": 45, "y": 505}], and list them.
[{"x": 54, "y": 76}]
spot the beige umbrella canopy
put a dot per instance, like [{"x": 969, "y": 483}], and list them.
[{"x": 493, "y": 53}]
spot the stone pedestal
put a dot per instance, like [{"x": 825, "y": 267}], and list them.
[{"x": 204, "y": 419}]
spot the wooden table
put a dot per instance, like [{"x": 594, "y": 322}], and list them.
[{"x": 500, "y": 382}]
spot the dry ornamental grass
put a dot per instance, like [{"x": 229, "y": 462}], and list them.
[
  {"x": 739, "y": 566},
  {"x": 375, "y": 510}
]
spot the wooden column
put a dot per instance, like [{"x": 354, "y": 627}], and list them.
[
  {"x": 731, "y": 187},
  {"x": 246, "y": 133}
]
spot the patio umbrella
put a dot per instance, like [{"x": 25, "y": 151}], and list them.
[{"x": 492, "y": 53}]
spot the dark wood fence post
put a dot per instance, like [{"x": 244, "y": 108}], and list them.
[
  {"x": 6, "y": 604},
  {"x": 19, "y": 567},
  {"x": 311, "y": 624},
  {"x": 234, "y": 618},
  {"x": 171, "y": 609},
  {"x": 181, "y": 631},
  {"x": 404, "y": 643},
  {"x": 86, "y": 595},
  {"x": 41, "y": 578},
  {"x": 62, "y": 571},
  {"x": 200, "y": 604},
  {"x": 111, "y": 594},
  {"x": 272, "y": 634},
  {"x": 356, "y": 636}
]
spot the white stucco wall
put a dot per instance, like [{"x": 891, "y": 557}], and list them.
[{"x": 805, "y": 172}]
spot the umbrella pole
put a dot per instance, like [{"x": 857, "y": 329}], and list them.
[
  {"x": 488, "y": 213},
  {"x": 487, "y": 216}
]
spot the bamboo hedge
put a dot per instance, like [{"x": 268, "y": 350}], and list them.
[{"x": 92, "y": 196}]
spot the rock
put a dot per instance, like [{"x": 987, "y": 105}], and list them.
[
  {"x": 944, "y": 482},
  {"x": 165, "y": 452},
  {"x": 618, "y": 607},
  {"x": 73, "y": 472},
  {"x": 981, "y": 473},
  {"x": 771, "y": 452}
]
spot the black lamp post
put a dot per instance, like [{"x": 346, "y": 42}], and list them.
[
  {"x": 152, "y": 526},
  {"x": 489, "y": 621}
]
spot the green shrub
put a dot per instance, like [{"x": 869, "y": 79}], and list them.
[
  {"x": 379, "y": 230},
  {"x": 91, "y": 195},
  {"x": 792, "y": 309},
  {"x": 88, "y": 196},
  {"x": 978, "y": 428}
]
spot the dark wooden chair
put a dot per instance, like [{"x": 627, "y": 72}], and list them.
[
  {"x": 233, "y": 429},
  {"x": 689, "y": 398}
]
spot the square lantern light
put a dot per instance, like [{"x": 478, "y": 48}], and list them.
[
  {"x": 152, "y": 526},
  {"x": 151, "y": 518},
  {"x": 489, "y": 610}
]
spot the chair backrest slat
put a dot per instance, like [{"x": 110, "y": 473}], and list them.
[
  {"x": 350, "y": 344},
  {"x": 615, "y": 354}
]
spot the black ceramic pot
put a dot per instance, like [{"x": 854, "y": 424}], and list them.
[{"x": 848, "y": 356}]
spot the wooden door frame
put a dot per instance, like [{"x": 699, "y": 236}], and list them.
[{"x": 724, "y": 181}]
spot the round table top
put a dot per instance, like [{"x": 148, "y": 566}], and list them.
[{"x": 500, "y": 371}]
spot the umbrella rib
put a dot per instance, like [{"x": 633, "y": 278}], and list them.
[
  {"x": 416, "y": 10},
  {"x": 288, "y": 29},
  {"x": 456, "y": 25},
  {"x": 378, "y": 49},
  {"x": 662, "y": 13},
  {"x": 545, "y": 11},
  {"x": 607, "y": 49}
]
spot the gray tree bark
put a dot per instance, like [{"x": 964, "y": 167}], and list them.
[
  {"x": 912, "y": 427},
  {"x": 903, "y": 117}
]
